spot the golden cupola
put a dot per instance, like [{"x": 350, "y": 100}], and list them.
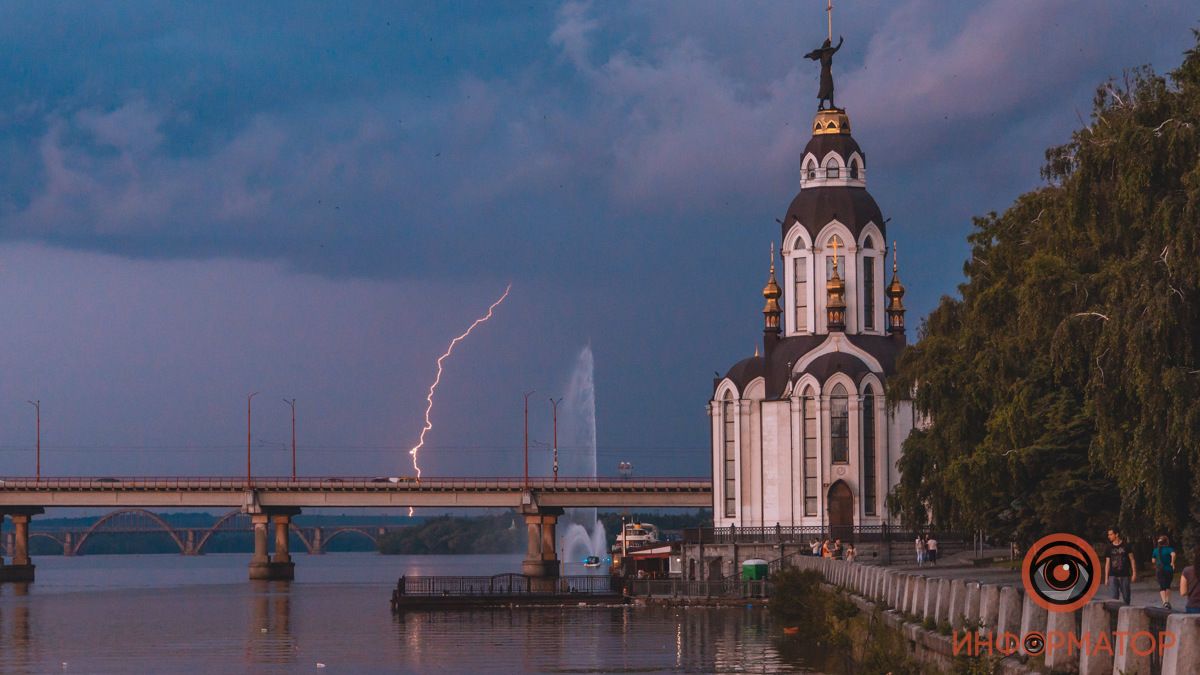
[
  {"x": 895, "y": 293},
  {"x": 772, "y": 293},
  {"x": 835, "y": 290}
]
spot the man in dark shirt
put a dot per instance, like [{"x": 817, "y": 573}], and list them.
[{"x": 1120, "y": 569}]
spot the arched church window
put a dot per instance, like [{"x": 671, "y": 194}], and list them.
[
  {"x": 809, "y": 410},
  {"x": 800, "y": 292},
  {"x": 839, "y": 425},
  {"x": 831, "y": 168},
  {"x": 868, "y": 290},
  {"x": 854, "y": 169},
  {"x": 868, "y": 450},
  {"x": 810, "y": 170},
  {"x": 869, "y": 242},
  {"x": 829, "y": 258},
  {"x": 729, "y": 441}
]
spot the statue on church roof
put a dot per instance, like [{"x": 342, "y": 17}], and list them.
[{"x": 824, "y": 54}]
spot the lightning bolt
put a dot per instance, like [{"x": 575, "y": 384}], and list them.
[{"x": 438, "y": 378}]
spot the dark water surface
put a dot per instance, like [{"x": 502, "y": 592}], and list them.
[{"x": 167, "y": 613}]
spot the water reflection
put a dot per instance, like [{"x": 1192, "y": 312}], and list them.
[
  {"x": 270, "y": 631},
  {"x": 101, "y": 615},
  {"x": 15, "y": 642},
  {"x": 583, "y": 640}
]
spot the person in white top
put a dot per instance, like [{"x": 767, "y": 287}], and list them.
[{"x": 932, "y": 545}]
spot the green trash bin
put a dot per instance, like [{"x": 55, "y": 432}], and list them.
[{"x": 754, "y": 570}]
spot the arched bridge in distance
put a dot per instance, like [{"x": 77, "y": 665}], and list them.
[{"x": 314, "y": 539}]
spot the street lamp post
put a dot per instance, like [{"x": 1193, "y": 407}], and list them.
[
  {"x": 292, "y": 402},
  {"x": 249, "y": 397},
  {"x": 527, "y": 395},
  {"x": 554, "y": 404},
  {"x": 37, "y": 405}
]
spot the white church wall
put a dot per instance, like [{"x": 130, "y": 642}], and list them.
[{"x": 776, "y": 468}]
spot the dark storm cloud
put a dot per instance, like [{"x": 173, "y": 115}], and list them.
[{"x": 623, "y": 162}]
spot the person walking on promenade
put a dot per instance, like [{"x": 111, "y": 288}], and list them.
[
  {"x": 837, "y": 549},
  {"x": 816, "y": 547},
  {"x": 1120, "y": 569},
  {"x": 825, "y": 549},
  {"x": 1163, "y": 557},
  {"x": 931, "y": 545},
  {"x": 1189, "y": 583},
  {"x": 919, "y": 548},
  {"x": 851, "y": 554}
]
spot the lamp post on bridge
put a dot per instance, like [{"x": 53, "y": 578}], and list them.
[
  {"x": 37, "y": 405},
  {"x": 527, "y": 395},
  {"x": 249, "y": 397},
  {"x": 554, "y": 404},
  {"x": 292, "y": 403}
]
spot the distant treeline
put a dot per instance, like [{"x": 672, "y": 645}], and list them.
[
  {"x": 506, "y": 533},
  {"x": 449, "y": 535}
]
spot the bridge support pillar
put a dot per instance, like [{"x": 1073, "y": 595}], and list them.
[
  {"x": 262, "y": 566},
  {"x": 22, "y": 568},
  {"x": 541, "y": 556},
  {"x": 68, "y": 543},
  {"x": 189, "y": 543},
  {"x": 318, "y": 546}
]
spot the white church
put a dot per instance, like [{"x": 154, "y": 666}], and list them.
[{"x": 801, "y": 433}]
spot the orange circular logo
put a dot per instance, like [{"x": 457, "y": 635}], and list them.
[{"x": 1061, "y": 572}]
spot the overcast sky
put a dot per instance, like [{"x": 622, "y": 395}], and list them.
[{"x": 200, "y": 200}]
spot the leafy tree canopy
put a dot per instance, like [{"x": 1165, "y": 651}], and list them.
[{"x": 1062, "y": 388}]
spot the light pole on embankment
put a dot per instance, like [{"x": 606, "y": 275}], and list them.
[{"x": 37, "y": 405}]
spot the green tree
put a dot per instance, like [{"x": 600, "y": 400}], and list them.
[{"x": 1063, "y": 385}]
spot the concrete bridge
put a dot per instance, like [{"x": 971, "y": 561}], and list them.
[
  {"x": 271, "y": 503},
  {"x": 190, "y": 540}
]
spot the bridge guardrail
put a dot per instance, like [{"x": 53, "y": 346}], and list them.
[{"x": 348, "y": 483}]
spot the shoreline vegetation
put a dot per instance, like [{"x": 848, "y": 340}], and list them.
[
  {"x": 1061, "y": 384},
  {"x": 829, "y": 631}
]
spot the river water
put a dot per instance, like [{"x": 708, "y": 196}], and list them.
[{"x": 167, "y": 613}]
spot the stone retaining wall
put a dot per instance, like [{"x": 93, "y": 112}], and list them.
[{"x": 1000, "y": 620}]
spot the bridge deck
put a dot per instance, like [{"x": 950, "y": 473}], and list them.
[{"x": 353, "y": 492}]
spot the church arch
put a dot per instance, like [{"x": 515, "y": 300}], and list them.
[
  {"x": 870, "y": 237},
  {"x": 797, "y": 239},
  {"x": 836, "y": 228},
  {"x": 755, "y": 390},
  {"x": 726, "y": 387}
]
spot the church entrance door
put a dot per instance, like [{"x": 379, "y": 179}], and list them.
[{"x": 841, "y": 512}]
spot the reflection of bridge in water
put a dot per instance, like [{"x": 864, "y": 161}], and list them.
[
  {"x": 271, "y": 504},
  {"x": 190, "y": 540}
]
